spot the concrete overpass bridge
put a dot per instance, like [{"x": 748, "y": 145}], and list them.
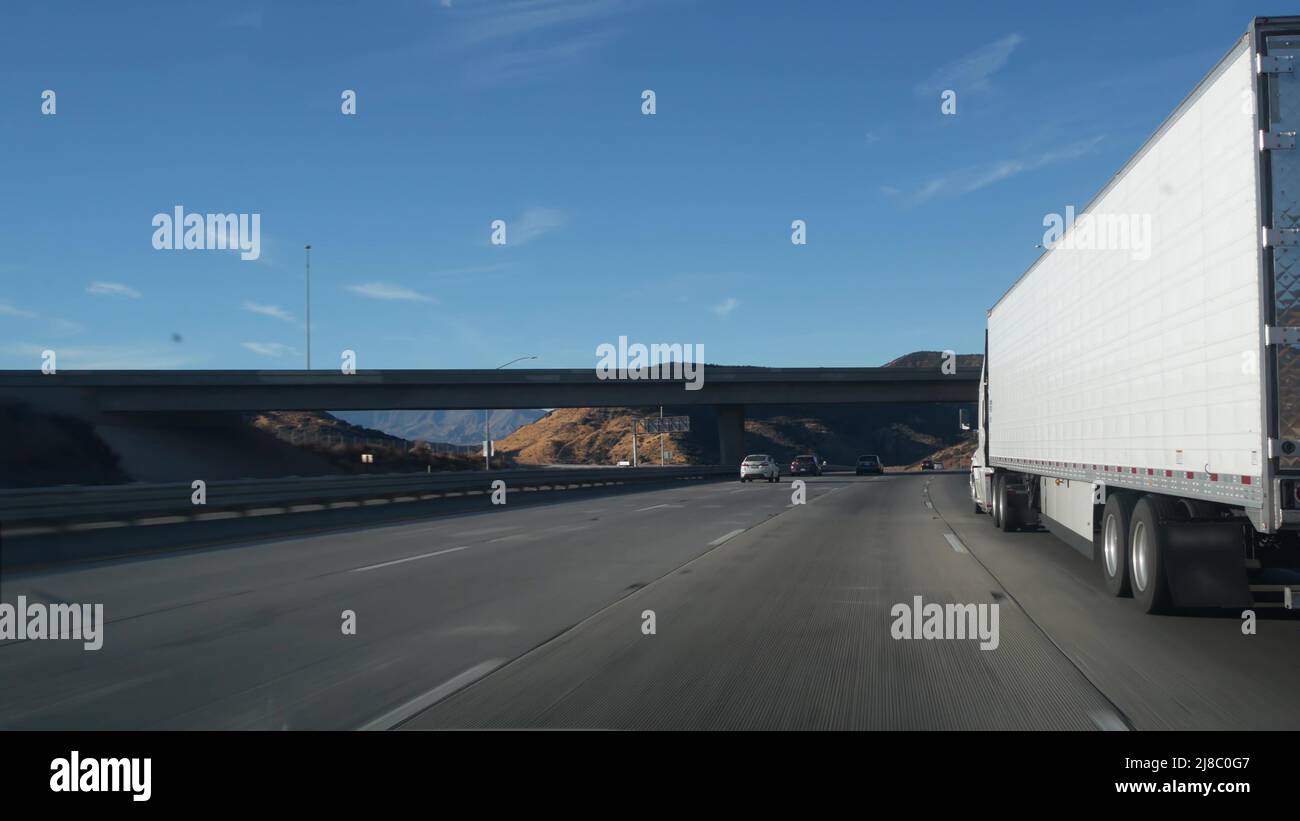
[{"x": 175, "y": 393}]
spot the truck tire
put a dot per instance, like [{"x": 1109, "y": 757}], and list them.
[
  {"x": 995, "y": 499},
  {"x": 1146, "y": 554},
  {"x": 1009, "y": 520},
  {"x": 1112, "y": 553}
]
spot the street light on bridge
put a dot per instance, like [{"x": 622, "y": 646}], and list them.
[
  {"x": 307, "y": 250},
  {"x": 487, "y": 434}
]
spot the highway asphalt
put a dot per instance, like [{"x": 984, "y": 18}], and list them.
[{"x": 767, "y": 615}]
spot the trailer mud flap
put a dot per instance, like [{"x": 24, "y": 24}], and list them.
[{"x": 1205, "y": 564}]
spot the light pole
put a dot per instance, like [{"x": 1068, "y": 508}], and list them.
[
  {"x": 487, "y": 435},
  {"x": 307, "y": 249},
  {"x": 661, "y": 436}
]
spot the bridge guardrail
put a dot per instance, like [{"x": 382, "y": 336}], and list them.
[{"x": 50, "y": 505}]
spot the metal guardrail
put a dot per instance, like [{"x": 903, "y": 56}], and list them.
[{"x": 82, "y": 503}]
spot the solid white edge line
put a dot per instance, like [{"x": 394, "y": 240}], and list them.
[
  {"x": 396, "y": 716},
  {"x": 955, "y": 543},
  {"x": 408, "y": 559},
  {"x": 722, "y": 539}
]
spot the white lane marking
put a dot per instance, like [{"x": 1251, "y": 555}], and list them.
[
  {"x": 821, "y": 494},
  {"x": 513, "y": 537},
  {"x": 162, "y": 520},
  {"x": 1106, "y": 720},
  {"x": 409, "y": 559},
  {"x": 484, "y": 531},
  {"x": 97, "y": 525},
  {"x": 927, "y": 504},
  {"x": 722, "y": 539},
  {"x": 30, "y": 531},
  {"x": 415, "y": 705},
  {"x": 653, "y": 507},
  {"x": 955, "y": 543},
  {"x": 443, "y": 526},
  {"x": 574, "y": 528}
]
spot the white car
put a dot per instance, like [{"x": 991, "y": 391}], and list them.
[{"x": 760, "y": 466}]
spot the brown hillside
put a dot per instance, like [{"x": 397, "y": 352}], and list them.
[
  {"x": 934, "y": 359},
  {"x": 953, "y": 457},
  {"x": 901, "y": 434},
  {"x": 590, "y": 436}
]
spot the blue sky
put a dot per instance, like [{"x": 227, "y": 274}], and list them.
[{"x": 666, "y": 228}]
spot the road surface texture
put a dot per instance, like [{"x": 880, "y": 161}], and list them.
[
  {"x": 767, "y": 615},
  {"x": 787, "y": 626}
]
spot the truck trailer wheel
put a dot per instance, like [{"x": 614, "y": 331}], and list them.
[
  {"x": 1008, "y": 520},
  {"x": 1146, "y": 555},
  {"x": 995, "y": 493},
  {"x": 1113, "y": 552}
]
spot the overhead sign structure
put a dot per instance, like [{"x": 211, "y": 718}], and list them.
[{"x": 667, "y": 424}]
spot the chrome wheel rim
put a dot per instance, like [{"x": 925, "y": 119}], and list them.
[
  {"x": 1141, "y": 549},
  {"x": 1110, "y": 546}
]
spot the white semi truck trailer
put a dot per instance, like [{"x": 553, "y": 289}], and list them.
[{"x": 1141, "y": 387}]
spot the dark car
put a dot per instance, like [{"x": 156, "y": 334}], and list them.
[
  {"x": 927, "y": 464},
  {"x": 807, "y": 465},
  {"x": 869, "y": 463}
]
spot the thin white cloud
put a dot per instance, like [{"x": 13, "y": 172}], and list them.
[
  {"x": 725, "y": 307},
  {"x": 973, "y": 179},
  {"x": 382, "y": 290},
  {"x": 112, "y": 289},
  {"x": 534, "y": 223},
  {"x": 107, "y": 357},
  {"x": 524, "y": 17},
  {"x": 274, "y": 311},
  {"x": 515, "y": 66},
  {"x": 9, "y": 310},
  {"x": 973, "y": 71},
  {"x": 66, "y": 327},
  {"x": 275, "y": 349},
  {"x": 527, "y": 41},
  {"x": 55, "y": 325}
]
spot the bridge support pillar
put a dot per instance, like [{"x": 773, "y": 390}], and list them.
[{"x": 731, "y": 433}]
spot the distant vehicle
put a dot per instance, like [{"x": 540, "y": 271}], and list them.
[
  {"x": 806, "y": 465},
  {"x": 927, "y": 464},
  {"x": 623, "y": 463},
  {"x": 760, "y": 466},
  {"x": 869, "y": 463}
]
